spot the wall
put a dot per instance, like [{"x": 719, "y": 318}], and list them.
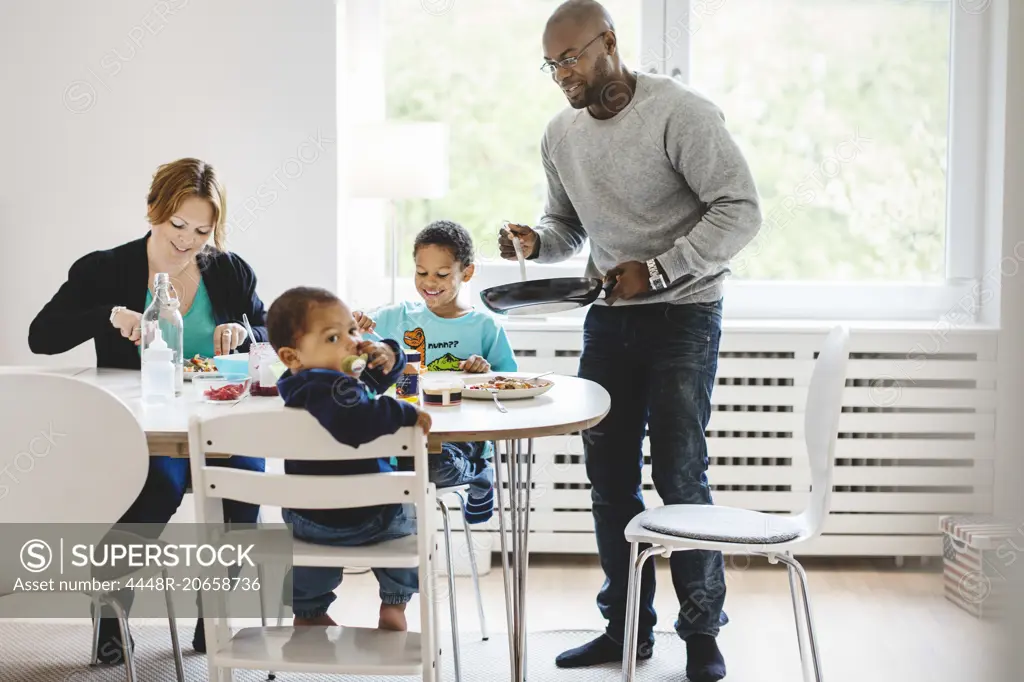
[
  {"x": 362, "y": 253},
  {"x": 1010, "y": 426},
  {"x": 95, "y": 99},
  {"x": 1006, "y": 206}
]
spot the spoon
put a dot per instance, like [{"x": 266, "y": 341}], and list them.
[
  {"x": 248, "y": 328},
  {"x": 517, "y": 244}
]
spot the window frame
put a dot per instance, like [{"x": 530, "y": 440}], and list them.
[{"x": 671, "y": 24}]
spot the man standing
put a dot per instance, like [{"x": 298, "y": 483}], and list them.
[{"x": 645, "y": 168}]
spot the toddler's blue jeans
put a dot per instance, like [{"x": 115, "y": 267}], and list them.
[{"x": 313, "y": 587}]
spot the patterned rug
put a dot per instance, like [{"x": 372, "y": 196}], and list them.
[{"x": 59, "y": 652}]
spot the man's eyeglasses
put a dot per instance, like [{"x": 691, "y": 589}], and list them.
[{"x": 568, "y": 62}]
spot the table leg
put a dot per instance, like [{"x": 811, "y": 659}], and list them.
[
  {"x": 525, "y": 547},
  {"x": 504, "y": 554},
  {"x": 520, "y": 477},
  {"x": 512, "y": 461}
]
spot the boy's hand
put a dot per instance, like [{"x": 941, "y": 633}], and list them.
[
  {"x": 364, "y": 321},
  {"x": 475, "y": 365},
  {"x": 423, "y": 421},
  {"x": 381, "y": 355}
]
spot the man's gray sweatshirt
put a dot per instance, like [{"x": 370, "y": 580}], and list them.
[{"x": 662, "y": 179}]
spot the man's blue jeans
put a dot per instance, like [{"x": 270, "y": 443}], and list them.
[{"x": 658, "y": 364}]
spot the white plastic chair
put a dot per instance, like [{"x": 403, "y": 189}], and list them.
[
  {"x": 295, "y": 434},
  {"x": 77, "y": 455},
  {"x": 682, "y": 527}
]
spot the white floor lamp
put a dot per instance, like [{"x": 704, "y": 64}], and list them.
[{"x": 396, "y": 161}]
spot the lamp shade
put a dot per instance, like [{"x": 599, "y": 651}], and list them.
[{"x": 398, "y": 161}]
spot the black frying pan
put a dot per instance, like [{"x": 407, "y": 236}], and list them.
[{"x": 543, "y": 296}]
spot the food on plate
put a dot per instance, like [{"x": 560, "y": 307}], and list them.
[
  {"x": 199, "y": 364},
  {"x": 226, "y": 392},
  {"x": 221, "y": 388},
  {"x": 508, "y": 384}
]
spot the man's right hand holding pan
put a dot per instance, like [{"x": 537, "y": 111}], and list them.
[{"x": 529, "y": 239}]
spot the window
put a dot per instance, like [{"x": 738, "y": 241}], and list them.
[
  {"x": 861, "y": 120},
  {"x": 842, "y": 110},
  {"x": 480, "y": 75}
]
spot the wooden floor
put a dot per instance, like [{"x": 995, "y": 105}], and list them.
[{"x": 875, "y": 622}]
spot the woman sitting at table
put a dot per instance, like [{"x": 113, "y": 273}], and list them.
[{"x": 102, "y": 300}]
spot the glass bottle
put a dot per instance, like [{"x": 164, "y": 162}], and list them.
[{"x": 164, "y": 314}]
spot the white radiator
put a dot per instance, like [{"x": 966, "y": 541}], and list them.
[{"x": 916, "y": 435}]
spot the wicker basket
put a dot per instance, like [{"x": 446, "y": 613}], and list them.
[{"x": 977, "y": 552}]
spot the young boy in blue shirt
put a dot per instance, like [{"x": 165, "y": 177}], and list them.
[
  {"x": 315, "y": 336},
  {"x": 450, "y": 335}
]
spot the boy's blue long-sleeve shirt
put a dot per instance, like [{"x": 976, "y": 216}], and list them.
[{"x": 354, "y": 416}]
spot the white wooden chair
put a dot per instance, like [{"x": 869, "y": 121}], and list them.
[
  {"x": 442, "y": 502},
  {"x": 682, "y": 527},
  {"x": 77, "y": 455},
  {"x": 294, "y": 434}
]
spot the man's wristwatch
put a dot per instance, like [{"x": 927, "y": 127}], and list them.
[
  {"x": 114, "y": 311},
  {"x": 657, "y": 281}
]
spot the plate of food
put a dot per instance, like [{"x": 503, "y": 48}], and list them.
[
  {"x": 508, "y": 387},
  {"x": 198, "y": 365}
]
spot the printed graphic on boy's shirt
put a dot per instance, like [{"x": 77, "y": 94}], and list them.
[
  {"x": 417, "y": 340},
  {"x": 445, "y": 363}
]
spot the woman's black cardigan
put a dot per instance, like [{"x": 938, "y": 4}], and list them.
[{"x": 80, "y": 310}]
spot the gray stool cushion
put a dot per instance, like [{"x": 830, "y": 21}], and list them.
[{"x": 720, "y": 524}]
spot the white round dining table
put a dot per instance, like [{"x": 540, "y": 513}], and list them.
[{"x": 571, "y": 405}]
